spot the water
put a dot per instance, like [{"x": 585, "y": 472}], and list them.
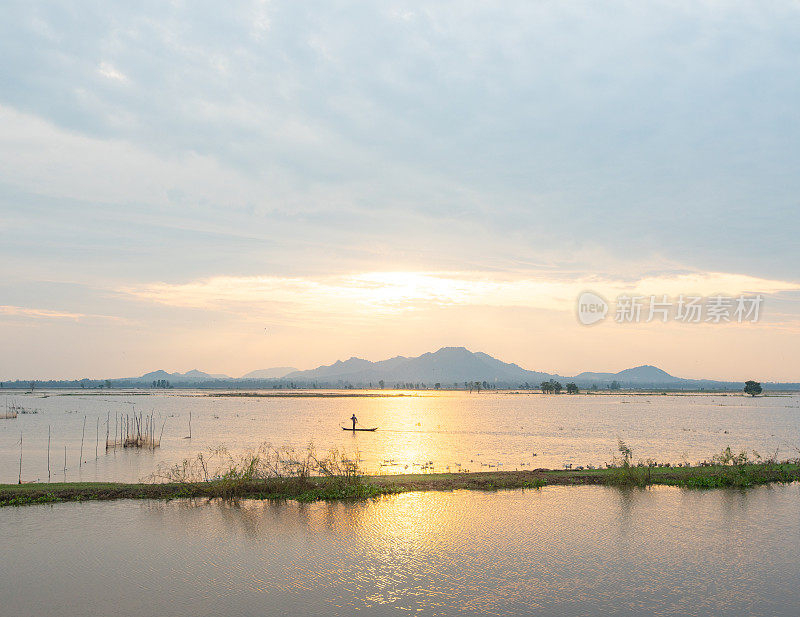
[
  {"x": 556, "y": 551},
  {"x": 453, "y": 430}
]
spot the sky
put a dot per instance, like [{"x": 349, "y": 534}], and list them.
[{"x": 250, "y": 184}]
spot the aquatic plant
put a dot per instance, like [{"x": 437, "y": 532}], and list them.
[
  {"x": 624, "y": 473},
  {"x": 134, "y": 431},
  {"x": 277, "y": 470}
]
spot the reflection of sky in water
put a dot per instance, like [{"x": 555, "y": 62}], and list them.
[
  {"x": 556, "y": 551},
  {"x": 452, "y": 430}
]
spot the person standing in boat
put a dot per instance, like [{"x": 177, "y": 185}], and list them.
[{"x": 354, "y": 419}]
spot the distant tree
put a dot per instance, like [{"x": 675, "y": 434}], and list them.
[
  {"x": 437, "y": 386},
  {"x": 615, "y": 385},
  {"x": 594, "y": 386},
  {"x": 381, "y": 384},
  {"x": 572, "y": 388},
  {"x": 752, "y": 388},
  {"x": 551, "y": 387}
]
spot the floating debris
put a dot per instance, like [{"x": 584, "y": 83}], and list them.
[{"x": 13, "y": 408}]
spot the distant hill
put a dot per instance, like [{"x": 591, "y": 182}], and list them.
[
  {"x": 640, "y": 374},
  {"x": 449, "y": 365},
  {"x": 192, "y": 376},
  {"x": 270, "y": 373}
]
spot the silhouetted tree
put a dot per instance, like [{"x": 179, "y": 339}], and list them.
[
  {"x": 572, "y": 388},
  {"x": 752, "y": 388},
  {"x": 551, "y": 387}
]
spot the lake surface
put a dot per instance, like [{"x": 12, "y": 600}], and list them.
[
  {"x": 452, "y": 430},
  {"x": 567, "y": 551}
]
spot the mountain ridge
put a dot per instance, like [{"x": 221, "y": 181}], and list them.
[
  {"x": 451, "y": 367},
  {"x": 455, "y": 365}
]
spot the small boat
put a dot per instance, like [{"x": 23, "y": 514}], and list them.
[{"x": 368, "y": 430}]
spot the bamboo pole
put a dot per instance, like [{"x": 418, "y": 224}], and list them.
[{"x": 83, "y": 434}]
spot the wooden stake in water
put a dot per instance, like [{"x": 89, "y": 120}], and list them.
[
  {"x": 108, "y": 426},
  {"x": 97, "y": 437},
  {"x": 190, "y": 425},
  {"x": 83, "y": 433},
  {"x": 48, "y": 453},
  {"x": 65, "y": 460},
  {"x": 20, "y": 459}
]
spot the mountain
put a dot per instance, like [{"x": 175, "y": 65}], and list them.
[
  {"x": 646, "y": 372},
  {"x": 456, "y": 365},
  {"x": 640, "y": 374},
  {"x": 192, "y": 376},
  {"x": 448, "y": 365},
  {"x": 270, "y": 373}
]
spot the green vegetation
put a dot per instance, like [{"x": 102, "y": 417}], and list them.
[
  {"x": 726, "y": 469},
  {"x": 551, "y": 387},
  {"x": 283, "y": 473},
  {"x": 365, "y": 487},
  {"x": 752, "y": 388}
]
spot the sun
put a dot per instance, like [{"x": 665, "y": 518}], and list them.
[{"x": 399, "y": 291}]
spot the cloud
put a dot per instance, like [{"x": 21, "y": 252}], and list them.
[
  {"x": 358, "y": 161},
  {"x": 380, "y": 293},
  {"x": 35, "y": 313},
  {"x": 51, "y": 315},
  {"x": 106, "y": 69},
  {"x": 651, "y": 132}
]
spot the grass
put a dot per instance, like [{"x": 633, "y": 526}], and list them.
[
  {"x": 284, "y": 473},
  {"x": 314, "y": 489},
  {"x": 365, "y": 487}
]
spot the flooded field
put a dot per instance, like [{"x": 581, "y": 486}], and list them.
[
  {"x": 442, "y": 431},
  {"x": 554, "y": 551}
]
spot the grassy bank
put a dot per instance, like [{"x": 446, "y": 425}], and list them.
[{"x": 362, "y": 487}]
